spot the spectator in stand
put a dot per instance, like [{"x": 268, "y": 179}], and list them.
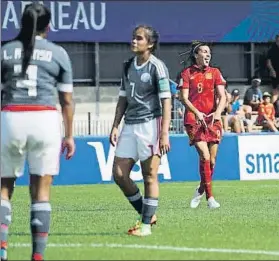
[
  {"x": 253, "y": 96},
  {"x": 266, "y": 117},
  {"x": 252, "y": 99},
  {"x": 234, "y": 117}
]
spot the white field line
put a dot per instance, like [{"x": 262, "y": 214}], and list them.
[
  {"x": 156, "y": 247},
  {"x": 193, "y": 185},
  {"x": 227, "y": 186}
]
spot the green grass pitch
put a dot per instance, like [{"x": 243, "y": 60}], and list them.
[{"x": 90, "y": 222}]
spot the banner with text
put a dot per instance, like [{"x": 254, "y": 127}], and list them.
[
  {"x": 259, "y": 157},
  {"x": 92, "y": 163},
  {"x": 176, "y": 21}
]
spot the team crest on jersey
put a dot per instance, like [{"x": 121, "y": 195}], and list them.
[
  {"x": 208, "y": 76},
  {"x": 145, "y": 77}
]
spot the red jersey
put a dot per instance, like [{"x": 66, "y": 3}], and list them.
[
  {"x": 201, "y": 85},
  {"x": 268, "y": 110}
]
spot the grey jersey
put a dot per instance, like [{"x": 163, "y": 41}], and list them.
[
  {"x": 144, "y": 86},
  {"x": 49, "y": 67}
]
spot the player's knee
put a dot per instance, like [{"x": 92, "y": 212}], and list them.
[
  {"x": 118, "y": 175},
  {"x": 7, "y": 188},
  {"x": 40, "y": 187},
  {"x": 118, "y": 178},
  {"x": 204, "y": 155},
  {"x": 150, "y": 177}
]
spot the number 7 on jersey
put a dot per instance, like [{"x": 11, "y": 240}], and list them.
[{"x": 132, "y": 84}]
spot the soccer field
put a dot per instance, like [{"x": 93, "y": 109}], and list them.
[{"x": 90, "y": 222}]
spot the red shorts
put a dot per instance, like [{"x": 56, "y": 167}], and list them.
[{"x": 197, "y": 132}]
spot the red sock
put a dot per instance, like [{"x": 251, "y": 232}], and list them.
[
  {"x": 37, "y": 257},
  {"x": 206, "y": 177},
  {"x": 4, "y": 244},
  {"x": 201, "y": 188}
]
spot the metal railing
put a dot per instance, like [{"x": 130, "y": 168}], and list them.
[
  {"x": 94, "y": 127},
  {"x": 90, "y": 124}
]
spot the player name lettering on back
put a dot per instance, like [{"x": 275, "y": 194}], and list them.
[{"x": 38, "y": 55}]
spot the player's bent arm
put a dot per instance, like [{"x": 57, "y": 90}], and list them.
[
  {"x": 222, "y": 98},
  {"x": 67, "y": 106},
  {"x": 166, "y": 115},
  {"x": 186, "y": 102},
  {"x": 120, "y": 110}
]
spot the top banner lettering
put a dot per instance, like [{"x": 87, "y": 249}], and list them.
[{"x": 176, "y": 21}]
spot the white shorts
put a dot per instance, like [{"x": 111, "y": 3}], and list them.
[
  {"x": 139, "y": 141},
  {"x": 35, "y": 136}
]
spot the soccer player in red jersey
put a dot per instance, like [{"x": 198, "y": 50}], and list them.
[{"x": 203, "y": 93}]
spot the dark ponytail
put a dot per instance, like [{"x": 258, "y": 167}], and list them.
[
  {"x": 35, "y": 18},
  {"x": 190, "y": 54},
  {"x": 27, "y": 36}
]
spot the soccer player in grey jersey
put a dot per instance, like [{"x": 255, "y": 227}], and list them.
[
  {"x": 32, "y": 68},
  {"x": 145, "y": 100}
]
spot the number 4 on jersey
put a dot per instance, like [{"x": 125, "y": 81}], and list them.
[{"x": 31, "y": 83}]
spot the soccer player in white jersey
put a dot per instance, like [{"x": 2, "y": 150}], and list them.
[
  {"x": 145, "y": 100},
  {"x": 32, "y": 68}
]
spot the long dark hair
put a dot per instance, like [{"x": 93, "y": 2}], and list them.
[
  {"x": 35, "y": 19},
  {"x": 190, "y": 53}
]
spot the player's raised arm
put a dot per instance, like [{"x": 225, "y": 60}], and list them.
[
  {"x": 119, "y": 111},
  {"x": 65, "y": 92}
]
